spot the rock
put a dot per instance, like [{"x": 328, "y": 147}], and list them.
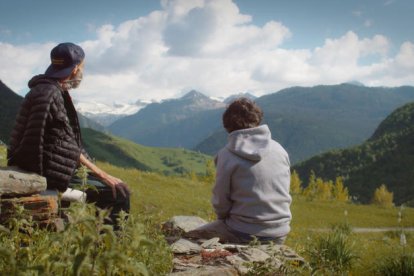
[
  {"x": 183, "y": 246},
  {"x": 210, "y": 257},
  {"x": 208, "y": 271},
  {"x": 42, "y": 209},
  {"x": 15, "y": 182},
  {"x": 284, "y": 252},
  {"x": 212, "y": 243},
  {"x": 248, "y": 255},
  {"x": 179, "y": 225}
]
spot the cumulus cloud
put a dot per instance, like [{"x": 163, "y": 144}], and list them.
[
  {"x": 19, "y": 63},
  {"x": 214, "y": 48}
]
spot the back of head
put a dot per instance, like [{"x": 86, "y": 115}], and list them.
[
  {"x": 64, "y": 58},
  {"x": 242, "y": 113}
]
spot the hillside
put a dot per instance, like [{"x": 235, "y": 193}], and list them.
[
  {"x": 386, "y": 158},
  {"x": 124, "y": 153},
  {"x": 311, "y": 120},
  {"x": 179, "y": 122},
  {"x": 9, "y": 106}
]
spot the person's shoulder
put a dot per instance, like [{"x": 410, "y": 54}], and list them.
[
  {"x": 278, "y": 147},
  {"x": 44, "y": 90}
]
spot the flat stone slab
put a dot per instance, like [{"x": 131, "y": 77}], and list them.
[
  {"x": 178, "y": 225},
  {"x": 183, "y": 246},
  {"x": 15, "y": 182}
]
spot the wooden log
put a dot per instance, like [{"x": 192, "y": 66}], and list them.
[
  {"x": 40, "y": 208},
  {"x": 15, "y": 182}
]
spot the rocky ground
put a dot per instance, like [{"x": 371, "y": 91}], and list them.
[{"x": 210, "y": 257}]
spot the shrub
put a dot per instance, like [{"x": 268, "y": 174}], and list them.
[
  {"x": 86, "y": 246},
  {"x": 400, "y": 264},
  {"x": 332, "y": 253},
  {"x": 295, "y": 184},
  {"x": 383, "y": 197}
]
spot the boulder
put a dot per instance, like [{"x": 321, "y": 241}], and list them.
[{"x": 15, "y": 182}]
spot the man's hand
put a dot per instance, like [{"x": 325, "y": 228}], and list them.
[
  {"x": 116, "y": 184},
  {"x": 113, "y": 182}
]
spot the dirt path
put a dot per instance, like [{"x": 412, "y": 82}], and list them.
[
  {"x": 380, "y": 229},
  {"x": 370, "y": 229}
]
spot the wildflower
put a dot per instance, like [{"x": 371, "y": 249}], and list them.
[{"x": 403, "y": 239}]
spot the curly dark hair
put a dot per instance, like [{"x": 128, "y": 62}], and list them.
[{"x": 242, "y": 113}]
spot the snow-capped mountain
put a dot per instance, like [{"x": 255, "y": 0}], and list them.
[{"x": 107, "y": 114}]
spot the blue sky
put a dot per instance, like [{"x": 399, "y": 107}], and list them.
[{"x": 160, "y": 49}]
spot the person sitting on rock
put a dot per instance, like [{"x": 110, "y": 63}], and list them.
[
  {"x": 46, "y": 138},
  {"x": 251, "y": 194}
]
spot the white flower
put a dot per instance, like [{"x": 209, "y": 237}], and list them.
[{"x": 403, "y": 239}]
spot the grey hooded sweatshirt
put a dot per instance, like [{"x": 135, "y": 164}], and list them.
[{"x": 251, "y": 193}]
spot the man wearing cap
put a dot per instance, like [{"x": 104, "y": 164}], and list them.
[{"x": 46, "y": 138}]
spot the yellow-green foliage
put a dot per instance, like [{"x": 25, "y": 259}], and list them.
[
  {"x": 210, "y": 176},
  {"x": 295, "y": 184},
  {"x": 340, "y": 193},
  {"x": 318, "y": 189},
  {"x": 3, "y": 156},
  {"x": 383, "y": 197}
]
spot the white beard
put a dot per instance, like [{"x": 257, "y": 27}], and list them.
[{"x": 74, "y": 82}]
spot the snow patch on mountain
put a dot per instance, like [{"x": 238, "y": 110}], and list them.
[{"x": 107, "y": 114}]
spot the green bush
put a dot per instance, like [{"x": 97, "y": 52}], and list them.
[
  {"x": 86, "y": 246},
  {"x": 332, "y": 253},
  {"x": 400, "y": 264}
]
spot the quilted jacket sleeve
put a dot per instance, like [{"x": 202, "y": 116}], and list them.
[{"x": 26, "y": 141}]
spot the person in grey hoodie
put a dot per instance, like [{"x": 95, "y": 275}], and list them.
[{"x": 251, "y": 194}]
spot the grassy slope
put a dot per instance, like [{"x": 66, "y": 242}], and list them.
[
  {"x": 161, "y": 197},
  {"x": 124, "y": 153}
]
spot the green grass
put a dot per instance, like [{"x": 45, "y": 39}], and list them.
[
  {"x": 158, "y": 197},
  {"x": 163, "y": 197},
  {"x": 124, "y": 153}
]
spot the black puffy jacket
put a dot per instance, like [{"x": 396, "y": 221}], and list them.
[{"x": 46, "y": 137}]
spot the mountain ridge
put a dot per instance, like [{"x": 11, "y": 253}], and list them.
[
  {"x": 387, "y": 157},
  {"x": 310, "y": 120}
]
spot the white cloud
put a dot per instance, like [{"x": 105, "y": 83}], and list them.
[
  {"x": 19, "y": 63},
  {"x": 210, "y": 46}
]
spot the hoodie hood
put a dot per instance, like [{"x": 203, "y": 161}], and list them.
[
  {"x": 251, "y": 143},
  {"x": 42, "y": 79}
]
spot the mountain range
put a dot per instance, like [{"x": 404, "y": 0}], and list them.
[
  {"x": 179, "y": 122},
  {"x": 111, "y": 149},
  {"x": 106, "y": 114},
  {"x": 305, "y": 120},
  {"x": 387, "y": 157}
]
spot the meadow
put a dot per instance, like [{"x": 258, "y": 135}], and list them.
[
  {"x": 156, "y": 198},
  {"x": 161, "y": 197}
]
